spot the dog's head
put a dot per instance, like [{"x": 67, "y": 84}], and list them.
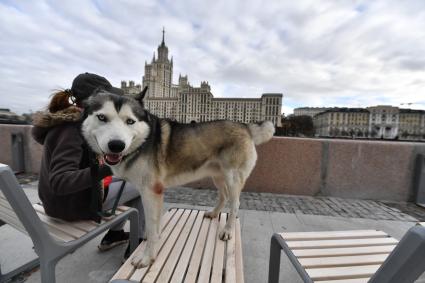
[{"x": 115, "y": 125}]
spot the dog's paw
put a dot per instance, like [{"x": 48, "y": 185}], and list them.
[
  {"x": 210, "y": 214},
  {"x": 225, "y": 234},
  {"x": 140, "y": 261}
]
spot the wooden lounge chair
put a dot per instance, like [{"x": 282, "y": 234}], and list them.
[
  {"x": 52, "y": 238},
  {"x": 190, "y": 251},
  {"x": 351, "y": 256}
]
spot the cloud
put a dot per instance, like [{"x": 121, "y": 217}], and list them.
[{"x": 338, "y": 53}]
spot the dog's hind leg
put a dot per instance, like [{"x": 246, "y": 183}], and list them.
[
  {"x": 234, "y": 182},
  {"x": 222, "y": 196}
]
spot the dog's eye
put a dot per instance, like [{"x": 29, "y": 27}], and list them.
[
  {"x": 101, "y": 117},
  {"x": 130, "y": 121}
]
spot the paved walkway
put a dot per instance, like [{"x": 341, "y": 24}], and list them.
[
  {"x": 261, "y": 215},
  {"x": 327, "y": 206},
  {"x": 87, "y": 264}
]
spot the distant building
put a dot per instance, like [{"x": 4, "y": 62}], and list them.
[
  {"x": 8, "y": 117},
  {"x": 186, "y": 103},
  {"x": 411, "y": 124},
  {"x": 342, "y": 122},
  {"x": 130, "y": 88},
  {"x": 309, "y": 111},
  {"x": 382, "y": 121}
]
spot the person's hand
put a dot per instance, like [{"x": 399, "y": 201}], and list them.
[{"x": 104, "y": 171}]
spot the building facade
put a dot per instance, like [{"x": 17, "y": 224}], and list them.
[
  {"x": 386, "y": 122},
  {"x": 8, "y": 117},
  {"x": 185, "y": 103},
  {"x": 411, "y": 124},
  {"x": 342, "y": 122},
  {"x": 309, "y": 111},
  {"x": 383, "y": 121},
  {"x": 130, "y": 87}
]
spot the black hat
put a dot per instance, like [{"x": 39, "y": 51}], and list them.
[{"x": 84, "y": 85}]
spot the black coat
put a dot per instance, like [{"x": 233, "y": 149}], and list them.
[{"x": 66, "y": 179}]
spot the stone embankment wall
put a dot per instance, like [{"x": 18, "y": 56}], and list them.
[
  {"x": 315, "y": 167},
  {"x": 339, "y": 168}
]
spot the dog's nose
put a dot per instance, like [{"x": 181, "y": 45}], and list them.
[{"x": 116, "y": 146}]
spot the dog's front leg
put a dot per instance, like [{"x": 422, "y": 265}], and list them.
[{"x": 152, "y": 202}]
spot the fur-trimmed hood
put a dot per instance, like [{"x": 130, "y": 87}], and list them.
[{"x": 43, "y": 121}]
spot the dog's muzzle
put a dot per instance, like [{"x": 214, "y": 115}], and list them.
[{"x": 115, "y": 147}]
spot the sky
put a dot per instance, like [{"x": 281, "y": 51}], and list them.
[{"x": 316, "y": 53}]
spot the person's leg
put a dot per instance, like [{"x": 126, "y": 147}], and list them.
[{"x": 130, "y": 197}]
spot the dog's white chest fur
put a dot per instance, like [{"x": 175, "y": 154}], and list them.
[{"x": 135, "y": 174}]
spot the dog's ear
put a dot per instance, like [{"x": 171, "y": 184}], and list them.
[{"x": 141, "y": 95}]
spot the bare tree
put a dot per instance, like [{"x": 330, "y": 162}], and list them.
[{"x": 296, "y": 126}]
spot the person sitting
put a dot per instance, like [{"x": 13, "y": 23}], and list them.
[{"x": 67, "y": 178}]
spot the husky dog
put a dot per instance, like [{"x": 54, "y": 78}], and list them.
[{"x": 153, "y": 153}]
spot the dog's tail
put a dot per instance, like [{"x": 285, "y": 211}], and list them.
[{"x": 261, "y": 132}]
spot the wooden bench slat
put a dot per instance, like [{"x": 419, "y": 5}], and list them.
[
  {"x": 10, "y": 217},
  {"x": 168, "y": 247},
  {"x": 175, "y": 255},
  {"x": 127, "y": 269},
  {"x": 239, "y": 257},
  {"x": 140, "y": 272},
  {"x": 61, "y": 226},
  {"x": 183, "y": 261},
  {"x": 231, "y": 259},
  {"x": 58, "y": 235},
  {"x": 190, "y": 251},
  {"x": 343, "y": 261},
  {"x": 60, "y": 231},
  {"x": 5, "y": 203},
  {"x": 76, "y": 229},
  {"x": 339, "y": 273},
  {"x": 5, "y": 208},
  {"x": 196, "y": 258},
  {"x": 328, "y": 235},
  {"x": 321, "y": 244},
  {"x": 217, "y": 267},
  {"x": 85, "y": 226},
  {"x": 357, "y": 280},
  {"x": 306, "y": 253},
  {"x": 205, "y": 270},
  {"x": 121, "y": 209}
]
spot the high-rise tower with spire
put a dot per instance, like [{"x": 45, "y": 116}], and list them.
[
  {"x": 186, "y": 103},
  {"x": 159, "y": 73}
]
